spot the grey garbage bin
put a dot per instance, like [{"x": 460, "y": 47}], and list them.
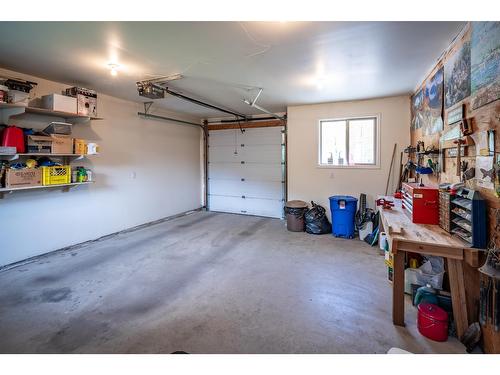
[{"x": 295, "y": 211}]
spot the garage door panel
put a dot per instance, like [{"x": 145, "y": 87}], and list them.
[
  {"x": 245, "y": 171},
  {"x": 249, "y": 206},
  {"x": 261, "y": 136},
  {"x": 248, "y": 171},
  {"x": 258, "y": 136},
  {"x": 251, "y": 154},
  {"x": 237, "y": 188},
  {"x": 223, "y": 138}
]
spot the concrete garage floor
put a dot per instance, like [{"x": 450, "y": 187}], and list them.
[{"x": 207, "y": 283}]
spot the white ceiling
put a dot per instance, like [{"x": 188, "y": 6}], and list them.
[{"x": 294, "y": 62}]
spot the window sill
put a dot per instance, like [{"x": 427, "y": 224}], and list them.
[{"x": 327, "y": 166}]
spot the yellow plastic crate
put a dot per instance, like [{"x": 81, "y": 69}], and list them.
[{"x": 60, "y": 174}]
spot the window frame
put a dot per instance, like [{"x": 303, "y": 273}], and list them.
[{"x": 376, "y": 140}]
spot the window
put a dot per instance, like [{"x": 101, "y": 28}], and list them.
[{"x": 348, "y": 142}]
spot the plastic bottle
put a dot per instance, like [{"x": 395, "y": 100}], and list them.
[{"x": 426, "y": 294}]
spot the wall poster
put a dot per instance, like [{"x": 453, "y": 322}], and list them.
[
  {"x": 417, "y": 106},
  {"x": 433, "y": 111},
  {"x": 457, "y": 76},
  {"x": 485, "y": 63}
]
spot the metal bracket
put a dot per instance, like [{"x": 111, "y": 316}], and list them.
[{"x": 147, "y": 107}]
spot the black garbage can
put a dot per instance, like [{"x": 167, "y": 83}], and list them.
[{"x": 295, "y": 211}]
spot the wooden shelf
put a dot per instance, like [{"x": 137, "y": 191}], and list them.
[
  {"x": 450, "y": 143},
  {"x": 8, "y": 105},
  {"x": 65, "y": 187},
  {"x": 15, "y": 110},
  {"x": 11, "y": 157}
]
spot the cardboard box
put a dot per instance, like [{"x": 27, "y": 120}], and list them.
[
  {"x": 61, "y": 144},
  {"x": 62, "y": 103},
  {"x": 39, "y": 144},
  {"x": 86, "y": 100},
  {"x": 23, "y": 177},
  {"x": 80, "y": 146}
]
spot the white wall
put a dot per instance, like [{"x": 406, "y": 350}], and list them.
[
  {"x": 164, "y": 156},
  {"x": 307, "y": 181}
]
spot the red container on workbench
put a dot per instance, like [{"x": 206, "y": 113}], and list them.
[
  {"x": 432, "y": 322},
  {"x": 12, "y": 136},
  {"x": 421, "y": 203}
]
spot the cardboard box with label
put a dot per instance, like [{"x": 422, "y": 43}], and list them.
[
  {"x": 61, "y": 144},
  {"x": 23, "y": 177},
  {"x": 86, "y": 100},
  {"x": 53, "y": 144},
  {"x": 39, "y": 144}
]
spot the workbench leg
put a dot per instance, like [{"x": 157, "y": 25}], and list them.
[
  {"x": 458, "y": 297},
  {"x": 398, "y": 287}
]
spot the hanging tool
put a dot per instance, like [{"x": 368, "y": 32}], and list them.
[
  {"x": 410, "y": 165},
  {"x": 390, "y": 168},
  {"x": 489, "y": 299},
  {"x": 400, "y": 184},
  {"x": 482, "y": 302},
  {"x": 459, "y": 142},
  {"x": 496, "y": 316}
]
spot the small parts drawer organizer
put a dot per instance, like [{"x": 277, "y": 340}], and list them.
[
  {"x": 468, "y": 217},
  {"x": 421, "y": 203},
  {"x": 445, "y": 210}
]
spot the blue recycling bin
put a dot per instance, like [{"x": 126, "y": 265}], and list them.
[{"x": 343, "y": 209}]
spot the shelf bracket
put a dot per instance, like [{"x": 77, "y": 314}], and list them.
[
  {"x": 10, "y": 157},
  {"x": 2, "y": 194},
  {"x": 147, "y": 107},
  {"x": 7, "y": 113}
]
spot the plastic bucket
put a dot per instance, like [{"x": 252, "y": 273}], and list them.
[
  {"x": 295, "y": 211},
  {"x": 343, "y": 210}
]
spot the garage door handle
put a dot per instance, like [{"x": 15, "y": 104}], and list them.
[
  {"x": 243, "y": 196},
  {"x": 242, "y": 179},
  {"x": 242, "y": 162}
]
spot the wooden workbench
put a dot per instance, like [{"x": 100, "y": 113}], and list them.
[{"x": 405, "y": 236}]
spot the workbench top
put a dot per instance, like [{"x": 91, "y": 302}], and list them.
[{"x": 399, "y": 226}]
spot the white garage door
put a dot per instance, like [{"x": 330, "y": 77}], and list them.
[{"x": 245, "y": 171}]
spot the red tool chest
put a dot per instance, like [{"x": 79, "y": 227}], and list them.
[{"x": 421, "y": 203}]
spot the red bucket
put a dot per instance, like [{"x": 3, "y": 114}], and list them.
[{"x": 432, "y": 322}]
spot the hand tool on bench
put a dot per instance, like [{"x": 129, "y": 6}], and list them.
[{"x": 386, "y": 204}]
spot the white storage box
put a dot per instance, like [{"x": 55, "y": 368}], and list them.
[
  {"x": 56, "y": 102},
  {"x": 411, "y": 277},
  {"x": 18, "y": 97}
]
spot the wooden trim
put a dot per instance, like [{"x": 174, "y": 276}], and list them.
[
  {"x": 471, "y": 256},
  {"x": 458, "y": 298},
  {"x": 437, "y": 250},
  {"x": 246, "y": 125}
]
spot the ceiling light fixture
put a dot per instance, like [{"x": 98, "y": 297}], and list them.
[{"x": 113, "y": 69}]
